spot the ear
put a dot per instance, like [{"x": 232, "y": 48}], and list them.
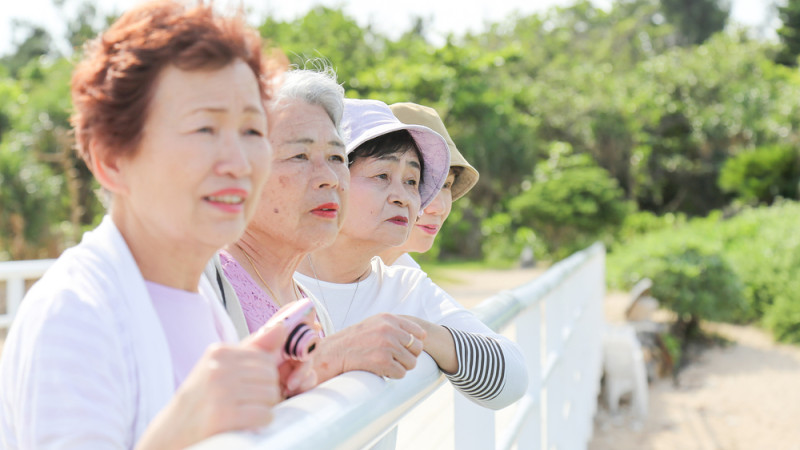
[{"x": 106, "y": 167}]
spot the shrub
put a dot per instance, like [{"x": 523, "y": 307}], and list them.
[
  {"x": 760, "y": 245},
  {"x": 570, "y": 202},
  {"x": 761, "y": 175},
  {"x": 783, "y": 317},
  {"x": 697, "y": 284}
]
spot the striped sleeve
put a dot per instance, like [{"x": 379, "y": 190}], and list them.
[{"x": 481, "y": 365}]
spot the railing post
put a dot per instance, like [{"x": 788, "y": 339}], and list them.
[
  {"x": 15, "y": 290},
  {"x": 474, "y": 425},
  {"x": 530, "y": 333}
]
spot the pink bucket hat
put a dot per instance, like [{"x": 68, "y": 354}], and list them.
[{"x": 367, "y": 119}]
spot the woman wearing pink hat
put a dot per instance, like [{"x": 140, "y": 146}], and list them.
[{"x": 396, "y": 169}]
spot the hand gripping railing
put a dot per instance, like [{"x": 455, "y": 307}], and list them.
[{"x": 559, "y": 322}]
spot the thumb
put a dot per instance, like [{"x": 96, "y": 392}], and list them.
[{"x": 267, "y": 338}]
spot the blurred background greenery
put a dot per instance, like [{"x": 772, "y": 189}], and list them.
[{"x": 648, "y": 125}]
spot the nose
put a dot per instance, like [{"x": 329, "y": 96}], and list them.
[
  {"x": 399, "y": 194},
  {"x": 324, "y": 175},
  {"x": 234, "y": 158},
  {"x": 436, "y": 207}
]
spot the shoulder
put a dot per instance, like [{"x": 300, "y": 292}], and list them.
[{"x": 406, "y": 260}]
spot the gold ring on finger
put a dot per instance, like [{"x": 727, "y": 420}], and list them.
[{"x": 410, "y": 341}]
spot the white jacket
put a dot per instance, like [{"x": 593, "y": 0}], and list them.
[{"x": 86, "y": 363}]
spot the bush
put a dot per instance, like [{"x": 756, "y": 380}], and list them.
[
  {"x": 697, "y": 284},
  {"x": 760, "y": 245},
  {"x": 762, "y": 175},
  {"x": 783, "y": 318},
  {"x": 570, "y": 203}
]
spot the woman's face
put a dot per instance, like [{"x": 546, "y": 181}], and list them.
[
  {"x": 203, "y": 157},
  {"x": 384, "y": 198},
  {"x": 303, "y": 202},
  {"x": 433, "y": 216}
]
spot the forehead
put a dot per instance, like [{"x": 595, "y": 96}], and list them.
[
  {"x": 295, "y": 117},
  {"x": 233, "y": 85}
]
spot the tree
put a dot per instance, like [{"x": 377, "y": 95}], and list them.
[
  {"x": 696, "y": 20},
  {"x": 789, "y": 33},
  {"x": 36, "y": 44}
]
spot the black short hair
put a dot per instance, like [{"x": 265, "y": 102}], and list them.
[{"x": 399, "y": 141}]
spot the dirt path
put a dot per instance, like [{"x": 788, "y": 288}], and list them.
[{"x": 742, "y": 396}]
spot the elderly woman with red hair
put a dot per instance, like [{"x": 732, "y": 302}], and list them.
[{"x": 122, "y": 343}]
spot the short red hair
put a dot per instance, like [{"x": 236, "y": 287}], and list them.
[{"x": 113, "y": 83}]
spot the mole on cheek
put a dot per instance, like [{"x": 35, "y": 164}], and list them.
[{"x": 275, "y": 210}]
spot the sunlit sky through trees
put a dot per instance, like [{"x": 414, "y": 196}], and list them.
[{"x": 391, "y": 18}]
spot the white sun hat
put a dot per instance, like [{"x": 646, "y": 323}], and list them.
[{"x": 367, "y": 119}]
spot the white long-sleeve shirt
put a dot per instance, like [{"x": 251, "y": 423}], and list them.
[{"x": 491, "y": 370}]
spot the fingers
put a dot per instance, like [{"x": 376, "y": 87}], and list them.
[
  {"x": 268, "y": 338},
  {"x": 395, "y": 370},
  {"x": 411, "y": 327},
  {"x": 300, "y": 379},
  {"x": 414, "y": 346}
]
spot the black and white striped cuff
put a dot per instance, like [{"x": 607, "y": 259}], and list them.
[{"x": 481, "y": 365}]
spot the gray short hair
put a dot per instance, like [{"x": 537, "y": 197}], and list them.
[{"x": 316, "y": 86}]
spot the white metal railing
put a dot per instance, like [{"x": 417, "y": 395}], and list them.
[
  {"x": 15, "y": 274},
  {"x": 558, "y": 319}
]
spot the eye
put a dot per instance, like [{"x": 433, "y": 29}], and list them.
[
  {"x": 382, "y": 176},
  {"x": 337, "y": 158},
  {"x": 206, "y": 129},
  {"x": 254, "y": 132},
  {"x": 412, "y": 182},
  {"x": 301, "y": 156},
  {"x": 447, "y": 185}
]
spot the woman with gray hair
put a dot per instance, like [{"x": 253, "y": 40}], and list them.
[{"x": 301, "y": 210}]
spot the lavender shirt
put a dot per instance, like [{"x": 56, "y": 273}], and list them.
[
  {"x": 257, "y": 305},
  {"x": 189, "y": 325}
]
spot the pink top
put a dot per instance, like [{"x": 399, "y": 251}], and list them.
[
  {"x": 257, "y": 305},
  {"x": 189, "y": 325}
]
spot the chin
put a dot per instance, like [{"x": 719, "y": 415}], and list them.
[{"x": 229, "y": 233}]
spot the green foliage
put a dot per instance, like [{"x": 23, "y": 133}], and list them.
[
  {"x": 783, "y": 318},
  {"x": 26, "y": 195},
  {"x": 613, "y": 83},
  {"x": 789, "y": 33},
  {"x": 325, "y": 33},
  {"x": 571, "y": 202},
  {"x": 697, "y": 284},
  {"x": 762, "y": 175},
  {"x": 761, "y": 246},
  {"x": 697, "y": 20},
  {"x": 642, "y": 222}
]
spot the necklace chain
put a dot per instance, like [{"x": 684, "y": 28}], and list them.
[
  {"x": 255, "y": 269},
  {"x": 322, "y": 291}
]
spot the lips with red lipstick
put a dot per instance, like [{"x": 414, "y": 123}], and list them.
[
  {"x": 431, "y": 229},
  {"x": 229, "y": 200},
  {"x": 399, "y": 220},
  {"x": 326, "y": 210}
]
